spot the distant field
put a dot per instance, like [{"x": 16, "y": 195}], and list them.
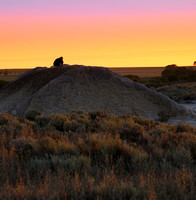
[
  {"x": 11, "y": 74},
  {"x": 139, "y": 71},
  {"x": 7, "y": 78}
]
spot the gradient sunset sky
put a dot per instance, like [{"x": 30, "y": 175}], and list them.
[{"x": 110, "y": 33}]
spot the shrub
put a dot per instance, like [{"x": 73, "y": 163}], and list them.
[
  {"x": 134, "y": 78},
  {"x": 133, "y": 133},
  {"x": 42, "y": 120},
  {"x": 73, "y": 164},
  {"x": 182, "y": 127},
  {"x": 119, "y": 190},
  {"x": 174, "y": 73},
  {"x": 179, "y": 158},
  {"x": 5, "y": 119},
  {"x": 72, "y": 126},
  {"x": 98, "y": 114},
  {"x": 23, "y": 148},
  {"x": 67, "y": 148},
  {"x": 47, "y": 146},
  {"x": 58, "y": 121},
  {"x": 32, "y": 114}
]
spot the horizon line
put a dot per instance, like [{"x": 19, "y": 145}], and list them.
[{"x": 98, "y": 66}]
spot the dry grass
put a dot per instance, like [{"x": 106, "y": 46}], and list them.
[{"x": 93, "y": 155}]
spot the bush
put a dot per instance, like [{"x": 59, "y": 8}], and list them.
[
  {"x": 5, "y": 119},
  {"x": 174, "y": 73},
  {"x": 133, "y": 133},
  {"x": 58, "y": 121},
  {"x": 42, "y": 120},
  {"x": 134, "y": 78},
  {"x": 32, "y": 114}
]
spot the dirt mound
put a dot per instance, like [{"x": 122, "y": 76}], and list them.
[{"x": 67, "y": 88}]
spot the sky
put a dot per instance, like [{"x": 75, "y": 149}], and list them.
[{"x": 110, "y": 33}]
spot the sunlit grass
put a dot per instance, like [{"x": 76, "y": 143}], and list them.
[{"x": 94, "y": 155}]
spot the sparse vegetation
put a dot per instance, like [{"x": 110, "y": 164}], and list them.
[
  {"x": 178, "y": 83},
  {"x": 179, "y": 91},
  {"x": 134, "y": 78},
  {"x": 94, "y": 155}
]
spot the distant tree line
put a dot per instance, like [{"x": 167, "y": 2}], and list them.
[
  {"x": 173, "y": 73},
  {"x": 4, "y": 72}
]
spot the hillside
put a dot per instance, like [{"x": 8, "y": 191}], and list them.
[{"x": 67, "y": 88}]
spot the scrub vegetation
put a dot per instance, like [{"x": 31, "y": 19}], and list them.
[
  {"x": 179, "y": 91},
  {"x": 95, "y": 155},
  {"x": 178, "y": 83}
]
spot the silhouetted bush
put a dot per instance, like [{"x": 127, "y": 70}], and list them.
[{"x": 173, "y": 73}]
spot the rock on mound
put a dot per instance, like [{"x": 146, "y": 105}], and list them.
[{"x": 67, "y": 88}]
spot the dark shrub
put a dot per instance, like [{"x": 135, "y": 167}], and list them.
[
  {"x": 133, "y": 133},
  {"x": 134, "y": 78},
  {"x": 58, "y": 121},
  {"x": 173, "y": 73},
  {"x": 98, "y": 114},
  {"x": 42, "y": 121},
  {"x": 32, "y": 114},
  {"x": 5, "y": 118}
]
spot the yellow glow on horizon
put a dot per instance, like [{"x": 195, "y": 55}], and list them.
[{"x": 126, "y": 42}]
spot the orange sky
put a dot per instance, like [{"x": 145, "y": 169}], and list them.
[{"x": 125, "y": 40}]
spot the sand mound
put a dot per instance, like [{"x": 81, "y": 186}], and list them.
[{"x": 67, "y": 88}]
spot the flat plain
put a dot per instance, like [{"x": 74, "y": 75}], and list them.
[
  {"x": 139, "y": 71},
  {"x": 11, "y": 74}
]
